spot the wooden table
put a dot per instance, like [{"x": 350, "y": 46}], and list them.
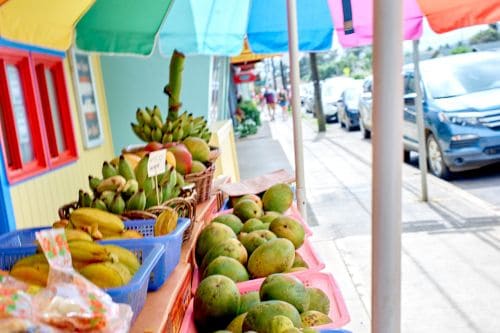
[{"x": 164, "y": 309}]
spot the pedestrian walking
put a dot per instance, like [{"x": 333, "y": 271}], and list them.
[
  {"x": 270, "y": 102},
  {"x": 283, "y": 102}
]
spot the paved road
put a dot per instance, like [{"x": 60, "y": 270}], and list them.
[{"x": 450, "y": 246}]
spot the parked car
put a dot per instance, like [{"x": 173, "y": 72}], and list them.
[
  {"x": 347, "y": 108},
  {"x": 365, "y": 108},
  {"x": 331, "y": 89},
  {"x": 461, "y": 103}
]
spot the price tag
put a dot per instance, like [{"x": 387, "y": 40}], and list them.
[{"x": 156, "y": 162}]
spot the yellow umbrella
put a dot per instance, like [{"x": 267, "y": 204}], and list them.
[
  {"x": 247, "y": 56},
  {"x": 46, "y": 23}
]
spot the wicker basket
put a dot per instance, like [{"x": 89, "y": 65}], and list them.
[
  {"x": 202, "y": 181},
  {"x": 185, "y": 206}
]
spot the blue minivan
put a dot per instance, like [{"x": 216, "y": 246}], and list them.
[{"x": 461, "y": 103}]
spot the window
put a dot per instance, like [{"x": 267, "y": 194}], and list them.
[
  {"x": 36, "y": 126},
  {"x": 55, "y": 109}
]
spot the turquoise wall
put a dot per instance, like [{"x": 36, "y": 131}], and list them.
[{"x": 133, "y": 82}]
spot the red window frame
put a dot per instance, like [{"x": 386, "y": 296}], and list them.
[
  {"x": 46, "y": 154},
  {"x": 19, "y": 170},
  {"x": 55, "y": 65}
]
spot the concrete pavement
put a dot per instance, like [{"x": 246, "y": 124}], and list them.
[{"x": 451, "y": 245}]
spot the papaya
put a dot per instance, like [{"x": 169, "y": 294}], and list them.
[
  {"x": 285, "y": 288},
  {"x": 254, "y": 239},
  {"x": 197, "y": 167},
  {"x": 226, "y": 266},
  {"x": 215, "y": 303},
  {"x": 231, "y": 221},
  {"x": 274, "y": 256},
  {"x": 289, "y": 228},
  {"x": 260, "y": 316},
  {"x": 314, "y": 318},
  {"x": 318, "y": 300},
  {"x": 236, "y": 324},
  {"x": 246, "y": 209},
  {"x": 230, "y": 248},
  {"x": 278, "y": 198},
  {"x": 248, "y": 300},
  {"x": 214, "y": 234}
]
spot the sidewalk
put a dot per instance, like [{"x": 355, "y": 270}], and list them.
[{"x": 451, "y": 245}]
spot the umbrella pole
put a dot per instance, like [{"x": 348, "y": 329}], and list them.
[
  {"x": 422, "y": 152},
  {"x": 297, "y": 120},
  {"x": 387, "y": 166}
]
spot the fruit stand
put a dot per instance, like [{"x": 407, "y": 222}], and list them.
[{"x": 155, "y": 242}]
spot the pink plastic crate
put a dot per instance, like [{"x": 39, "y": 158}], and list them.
[
  {"x": 292, "y": 212},
  {"x": 323, "y": 281},
  {"x": 306, "y": 251}
]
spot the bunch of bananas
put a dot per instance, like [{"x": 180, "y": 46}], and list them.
[
  {"x": 107, "y": 266},
  {"x": 151, "y": 127},
  {"x": 123, "y": 188}
]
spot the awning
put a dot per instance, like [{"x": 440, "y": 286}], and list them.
[
  {"x": 446, "y": 15},
  {"x": 121, "y": 26},
  {"x": 44, "y": 23}
]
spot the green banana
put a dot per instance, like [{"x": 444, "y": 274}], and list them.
[
  {"x": 157, "y": 135},
  {"x": 81, "y": 194},
  {"x": 164, "y": 138},
  {"x": 176, "y": 192},
  {"x": 138, "y": 130},
  {"x": 99, "y": 204},
  {"x": 125, "y": 169},
  {"x": 141, "y": 170},
  {"x": 139, "y": 117},
  {"x": 108, "y": 170},
  {"x": 170, "y": 137},
  {"x": 131, "y": 187},
  {"x": 157, "y": 122},
  {"x": 94, "y": 182},
  {"x": 146, "y": 130},
  {"x": 152, "y": 200},
  {"x": 180, "y": 179},
  {"x": 178, "y": 133},
  {"x": 87, "y": 200},
  {"x": 117, "y": 205},
  {"x": 149, "y": 111},
  {"x": 148, "y": 186},
  {"x": 137, "y": 201},
  {"x": 166, "y": 193},
  {"x": 107, "y": 197},
  {"x": 143, "y": 117},
  {"x": 206, "y": 136},
  {"x": 157, "y": 112}
]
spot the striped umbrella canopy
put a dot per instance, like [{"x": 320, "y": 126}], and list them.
[{"x": 218, "y": 27}]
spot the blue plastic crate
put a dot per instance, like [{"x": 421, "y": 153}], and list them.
[
  {"x": 25, "y": 238},
  {"x": 172, "y": 242},
  {"x": 133, "y": 294}
]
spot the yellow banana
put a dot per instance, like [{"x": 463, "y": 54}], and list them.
[
  {"x": 102, "y": 275},
  {"x": 87, "y": 251},
  {"x": 38, "y": 258},
  {"x": 132, "y": 234},
  {"x": 36, "y": 273},
  {"x": 75, "y": 234},
  {"x": 113, "y": 183},
  {"x": 125, "y": 257},
  {"x": 106, "y": 222}
]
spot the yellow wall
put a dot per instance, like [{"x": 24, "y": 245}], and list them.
[
  {"x": 36, "y": 201},
  {"x": 223, "y": 137}
]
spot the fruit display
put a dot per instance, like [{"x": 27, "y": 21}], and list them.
[
  {"x": 125, "y": 188},
  {"x": 107, "y": 266},
  {"x": 282, "y": 303},
  {"x": 255, "y": 243},
  {"x": 151, "y": 126}
]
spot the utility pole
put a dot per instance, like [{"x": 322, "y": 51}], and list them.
[
  {"x": 318, "y": 104},
  {"x": 274, "y": 74}
]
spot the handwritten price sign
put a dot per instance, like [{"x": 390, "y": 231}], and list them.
[{"x": 156, "y": 162}]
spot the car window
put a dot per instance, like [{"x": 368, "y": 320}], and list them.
[{"x": 454, "y": 79}]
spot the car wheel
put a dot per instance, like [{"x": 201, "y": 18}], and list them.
[
  {"x": 435, "y": 159},
  {"x": 366, "y": 133}
]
